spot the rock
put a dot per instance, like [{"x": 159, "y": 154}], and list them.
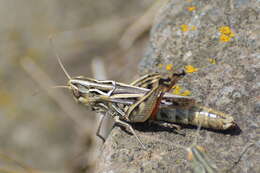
[{"x": 221, "y": 39}]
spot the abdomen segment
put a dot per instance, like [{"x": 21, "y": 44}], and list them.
[{"x": 198, "y": 116}]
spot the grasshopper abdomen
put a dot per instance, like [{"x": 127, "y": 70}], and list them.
[{"x": 198, "y": 116}]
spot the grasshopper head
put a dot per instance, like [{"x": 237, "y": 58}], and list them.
[
  {"x": 79, "y": 90},
  {"x": 74, "y": 89},
  {"x": 76, "y": 86},
  {"x": 72, "y": 84}
]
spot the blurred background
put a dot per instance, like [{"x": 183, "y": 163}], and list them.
[{"x": 43, "y": 129}]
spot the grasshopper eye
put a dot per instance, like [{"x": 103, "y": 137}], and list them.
[{"x": 75, "y": 92}]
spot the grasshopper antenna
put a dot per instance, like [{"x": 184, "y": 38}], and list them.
[
  {"x": 58, "y": 57},
  {"x": 60, "y": 86}
]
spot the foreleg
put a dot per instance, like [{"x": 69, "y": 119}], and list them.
[{"x": 99, "y": 127}]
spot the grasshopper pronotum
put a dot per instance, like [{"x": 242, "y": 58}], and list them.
[{"x": 141, "y": 100}]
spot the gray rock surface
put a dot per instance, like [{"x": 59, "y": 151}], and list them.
[{"x": 186, "y": 36}]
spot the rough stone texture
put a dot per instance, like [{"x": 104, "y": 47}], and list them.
[{"x": 231, "y": 85}]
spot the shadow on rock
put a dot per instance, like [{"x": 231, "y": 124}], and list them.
[{"x": 152, "y": 127}]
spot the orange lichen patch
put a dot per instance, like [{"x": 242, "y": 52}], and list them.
[
  {"x": 186, "y": 93},
  {"x": 226, "y": 34},
  {"x": 190, "y": 69},
  {"x": 176, "y": 90},
  {"x": 212, "y": 61},
  {"x": 169, "y": 67},
  {"x": 192, "y": 8},
  {"x": 184, "y": 28}
]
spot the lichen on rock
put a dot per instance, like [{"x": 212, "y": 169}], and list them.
[{"x": 231, "y": 85}]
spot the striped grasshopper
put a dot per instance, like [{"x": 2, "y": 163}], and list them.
[{"x": 140, "y": 101}]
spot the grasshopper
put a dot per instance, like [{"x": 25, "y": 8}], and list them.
[{"x": 140, "y": 101}]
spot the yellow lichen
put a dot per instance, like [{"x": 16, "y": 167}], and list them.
[
  {"x": 169, "y": 67},
  {"x": 225, "y": 30},
  {"x": 212, "y": 61},
  {"x": 184, "y": 28},
  {"x": 160, "y": 66},
  {"x": 200, "y": 148},
  {"x": 193, "y": 28},
  {"x": 186, "y": 93},
  {"x": 192, "y": 8},
  {"x": 226, "y": 34},
  {"x": 224, "y": 38},
  {"x": 176, "y": 90},
  {"x": 232, "y": 34},
  {"x": 190, "y": 69}
]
